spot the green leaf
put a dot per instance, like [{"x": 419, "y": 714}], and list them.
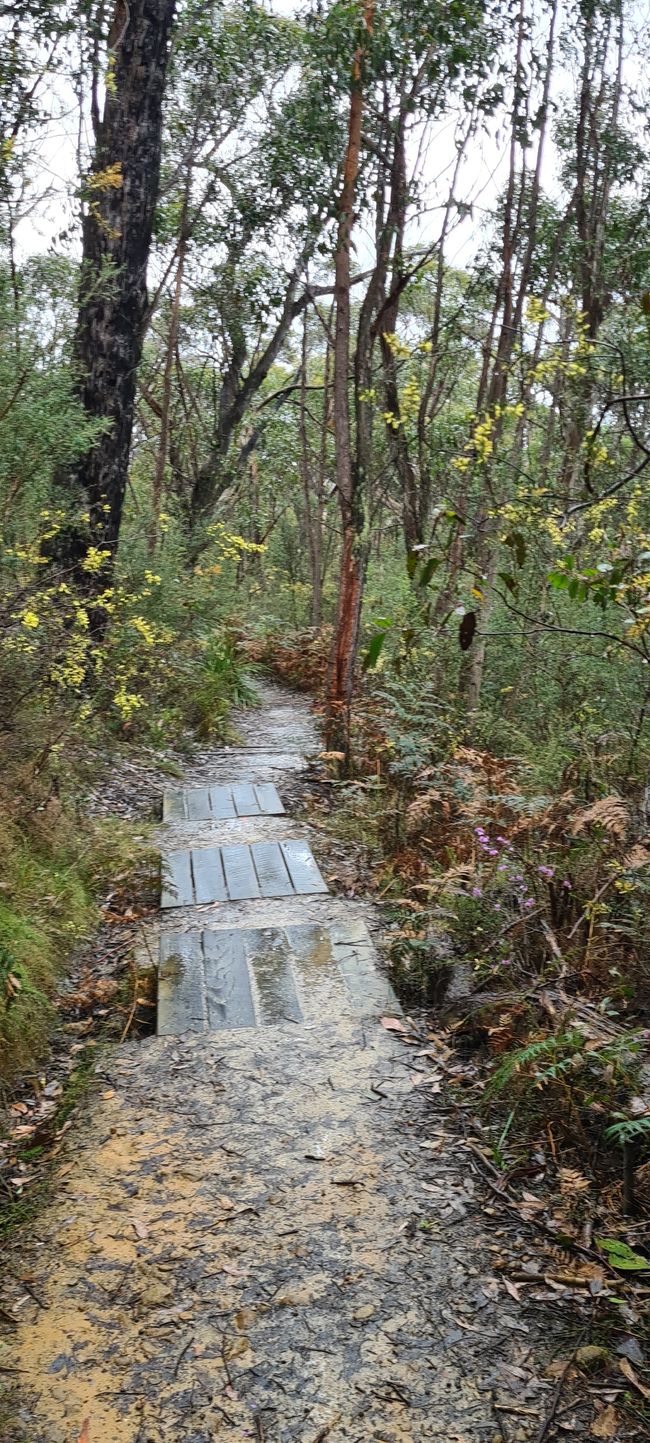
[
  {"x": 621, "y": 1256},
  {"x": 372, "y": 655},
  {"x": 428, "y": 570}
]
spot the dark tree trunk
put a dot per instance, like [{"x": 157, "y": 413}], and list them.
[
  {"x": 349, "y": 481},
  {"x": 121, "y": 197}
]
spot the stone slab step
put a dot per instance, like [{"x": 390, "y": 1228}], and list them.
[
  {"x": 219, "y": 803},
  {"x": 259, "y": 977},
  {"x": 238, "y": 873}
]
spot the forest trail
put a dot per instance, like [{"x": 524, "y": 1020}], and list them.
[{"x": 264, "y": 1233}]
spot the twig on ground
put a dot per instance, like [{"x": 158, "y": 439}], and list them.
[
  {"x": 182, "y": 1353},
  {"x": 129, "y": 1020},
  {"x": 32, "y": 1292},
  {"x": 121, "y": 1283},
  {"x": 500, "y": 1423},
  {"x": 546, "y": 1422},
  {"x": 325, "y": 1432}
]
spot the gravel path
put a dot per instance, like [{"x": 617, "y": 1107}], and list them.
[{"x": 269, "y": 1234}]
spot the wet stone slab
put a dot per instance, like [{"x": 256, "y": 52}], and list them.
[
  {"x": 222, "y": 803},
  {"x": 239, "y": 873},
  {"x": 256, "y": 977}
]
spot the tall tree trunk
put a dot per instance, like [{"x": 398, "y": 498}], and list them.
[
  {"x": 320, "y": 560},
  {"x": 117, "y": 227},
  {"x": 350, "y": 500},
  {"x": 396, "y": 435},
  {"x": 509, "y": 305},
  {"x": 597, "y": 148},
  {"x": 172, "y": 342},
  {"x": 313, "y": 510}
]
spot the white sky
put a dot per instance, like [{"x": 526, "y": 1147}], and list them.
[{"x": 53, "y": 205}]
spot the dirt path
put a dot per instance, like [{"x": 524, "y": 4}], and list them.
[{"x": 263, "y": 1234}]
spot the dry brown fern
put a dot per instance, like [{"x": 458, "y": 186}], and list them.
[{"x": 610, "y": 813}]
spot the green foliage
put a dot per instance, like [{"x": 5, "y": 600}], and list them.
[
  {"x": 628, "y": 1130},
  {"x": 622, "y": 1256},
  {"x": 576, "y": 1080},
  {"x": 221, "y": 681},
  {"x": 46, "y": 909},
  {"x": 541, "y": 1061}
]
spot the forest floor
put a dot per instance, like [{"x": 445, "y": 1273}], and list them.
[{"x": 279, "y": 1233}]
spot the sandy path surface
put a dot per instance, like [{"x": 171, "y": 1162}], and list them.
[{"x": 262, "y": 1233}]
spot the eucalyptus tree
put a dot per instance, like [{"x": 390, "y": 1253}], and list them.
[
  {"x": 554, "y": 286},
  {"x": 245, "y": 205},
  {"x": 405, "y": 63}
]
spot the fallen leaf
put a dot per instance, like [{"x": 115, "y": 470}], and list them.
[
  {"x": 84, "y": 1436},
  {"x": 393, "y": 1024},
  {"x": 225, "y": 1202},
  {"x": 429, "y": 1079},
  {"x": 140, "y": 1229},
  {"x": 621, "y": 1256},
  {"x": 606, "y": 1424},
  {"x": 630, "y": 1347},
  {"x": 628, "y": 1371},
  {"x": 512, "y": 1289}
]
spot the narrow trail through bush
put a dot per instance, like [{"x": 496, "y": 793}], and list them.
[{"x": 269, "y": 1233}]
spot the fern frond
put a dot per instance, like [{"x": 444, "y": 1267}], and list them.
[
  {"x": 610, "y": 813},
  {"x": 572, "y": 1181},
  {"x": 545, "y": 1047}
]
